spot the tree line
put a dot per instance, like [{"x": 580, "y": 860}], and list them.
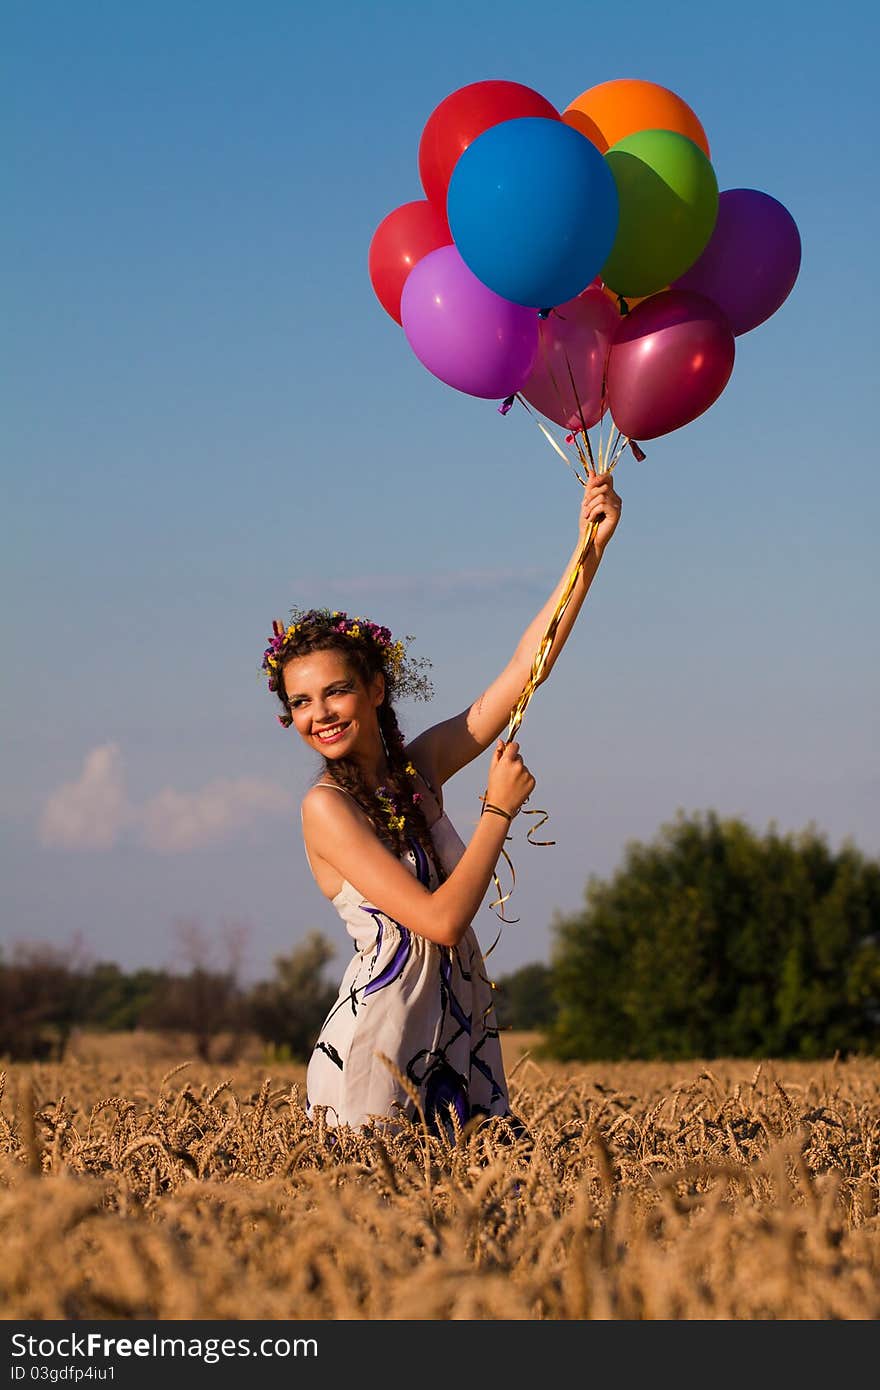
[
  {"x": 44, "y": 998},
  {"x": 711, "y": 940}
]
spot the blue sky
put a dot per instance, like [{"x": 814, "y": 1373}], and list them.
[{"x": 208, "y": 418}]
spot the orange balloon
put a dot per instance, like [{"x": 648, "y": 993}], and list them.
[{"x": 605, "y": 114}]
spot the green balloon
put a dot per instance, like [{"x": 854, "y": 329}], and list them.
[{"x": 668, "y": 205}]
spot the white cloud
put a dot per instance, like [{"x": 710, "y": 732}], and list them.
[
  {"x": 91, "y": 812},
  {"x": 174, "y": 821}
]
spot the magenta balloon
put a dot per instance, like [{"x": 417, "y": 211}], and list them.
[
  {"x": 462, "y": 331},
  {"x": 751, "y": 261},
  {"x": 672, "y": 356},
  {"x": 576, "y": 334}
]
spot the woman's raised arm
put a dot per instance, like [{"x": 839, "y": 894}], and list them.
[{"x": 450, "y": 745}]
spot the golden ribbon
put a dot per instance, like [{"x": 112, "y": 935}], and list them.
[
  {"x": 608, "y": 456},
  {"x": 545, "y": 645}
]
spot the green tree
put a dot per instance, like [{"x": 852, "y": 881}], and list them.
[
  {"x": 524, "y": 999},
  {"x": 288, "y": 1010},
  {"x": 713, "y": 941},
  {"x": 113, "y": 1000},
  {"x": 39, "y": 988}
]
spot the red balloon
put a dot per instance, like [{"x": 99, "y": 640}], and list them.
[
  {"x": 573, "y": 345},
  {"x": 461, "y": 117},
  {"x": 671, "y": 357},
  {"x": 399, "y": 242}
]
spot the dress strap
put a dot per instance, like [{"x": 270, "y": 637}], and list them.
[{"x": 336, "y": 787}]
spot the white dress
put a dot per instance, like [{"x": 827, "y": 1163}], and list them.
[{"x": 426, "y": 1008}]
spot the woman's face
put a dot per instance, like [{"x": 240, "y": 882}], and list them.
[{"x": 331, "y": 708}]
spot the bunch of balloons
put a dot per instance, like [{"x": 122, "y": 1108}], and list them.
[{"x": 583, "y": 259}]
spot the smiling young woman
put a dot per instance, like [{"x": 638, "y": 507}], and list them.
[{"x": 414, "y": 1012}]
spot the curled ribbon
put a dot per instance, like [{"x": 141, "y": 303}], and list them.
[
  {"x": 503, "y": 897},
  {"x": 545, "y": 816}
]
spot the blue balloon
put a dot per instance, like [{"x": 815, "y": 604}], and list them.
[{"x": 533, "y": 207}]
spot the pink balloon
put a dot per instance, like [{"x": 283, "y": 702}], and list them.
[
  {"x": 462, "y": 331},
  {"x": 671, "y": 358},
  {"x": 576, "y": 335}
]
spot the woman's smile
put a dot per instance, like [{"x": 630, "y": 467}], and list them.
[{"x": 334, "y": 733}]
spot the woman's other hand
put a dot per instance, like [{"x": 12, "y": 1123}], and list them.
[
  {"x": 600, "y": 503},
  {"x": 510, "y": 782}
]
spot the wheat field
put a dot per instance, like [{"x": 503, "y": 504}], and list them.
[{"x": 134, "y": 1185}]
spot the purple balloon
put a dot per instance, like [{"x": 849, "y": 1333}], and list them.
[
  {"x": 672, "y": 356},
  {"x": 751, "y": 260},
  {"x": 462, "y": 331}
]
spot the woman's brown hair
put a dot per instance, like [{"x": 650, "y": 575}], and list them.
[{"x": 364, "y": 658}]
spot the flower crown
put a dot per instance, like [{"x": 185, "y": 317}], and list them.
[{"x": 405, "y": 674}]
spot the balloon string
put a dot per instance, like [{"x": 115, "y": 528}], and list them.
[
  {"x": 545, "y": 645},
  {"x": 580, "y": 411},
  {"x": 540, "y": 659},
  {"x": 519, "y": 710},
  {"x": 564, "y": 406},
  {"x": 545, "y": 353},
  {"x": 549, "y": 437}
]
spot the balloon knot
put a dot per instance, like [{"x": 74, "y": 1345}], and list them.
[
  {"x": 505, "y": 405},
  {"x": 638, "y": 454},
  {"x": 622, "y": 305},
  {"x": 545, "y": 313}
]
